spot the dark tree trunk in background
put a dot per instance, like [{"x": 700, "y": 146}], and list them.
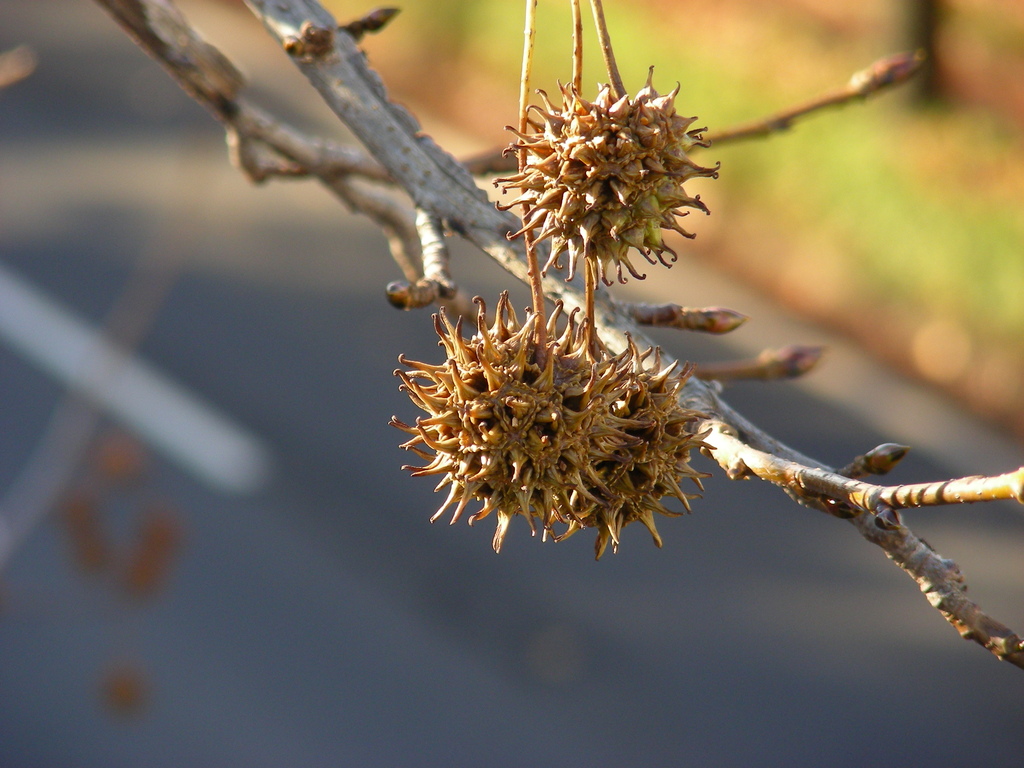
[{"x": 921, "y": 22}]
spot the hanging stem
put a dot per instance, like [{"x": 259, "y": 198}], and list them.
[
  {"x": 577, "y": 47},
  {"x": 614, "y": 78},
  {"x": 537, "y": 297},
  {"x": 529, "y": 32},
  {"x": 533, "y": 268},
  {"x": 590, "y": 274}
]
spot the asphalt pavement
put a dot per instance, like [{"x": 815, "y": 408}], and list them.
[{"x": 314, "y": 617}]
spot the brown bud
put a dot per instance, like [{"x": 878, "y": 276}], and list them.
[
  {"x": 125, "y": 688},
  {"x": 151, "y": 559},
  {"x": 119, "y": 457}
]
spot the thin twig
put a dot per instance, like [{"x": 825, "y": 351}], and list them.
[
  {"x": 435, "y": 252},
  {"x": 532, "y": 263},
  {"x": 160, "y": 29},
  {"x": 705, "y": 319},
  {"x": 288, "y": 153},
  {"x": 882, "y": 74},
  {"x": 15, "y": 65},
  {"x": 529, "y": 35},
  {"x": 815, "y": 484},
  {"x": 436, "y": 285},
  {"x": 614, "y": 78},
  {"x": 490, "y": 162},
  {"x": 963, "y": 490},
  {"x": 772, "y": 364},
  {"x": 577, "y": 47},
  {"x": 590, "y": 270},
  {"x": 264, "y": 147}
]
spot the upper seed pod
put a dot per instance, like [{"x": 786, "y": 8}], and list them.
[{"x": 601, "y": 177}]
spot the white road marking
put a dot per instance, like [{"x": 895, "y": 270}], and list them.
[{"x": 179, "y": 423}]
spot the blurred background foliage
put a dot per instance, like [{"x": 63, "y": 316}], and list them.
[{"x": 900, "y": 222}]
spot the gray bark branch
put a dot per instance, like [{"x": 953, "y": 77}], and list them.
[{"x": 443, "y": 189}]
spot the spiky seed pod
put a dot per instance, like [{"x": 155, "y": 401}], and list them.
[
  {"x": 650, "y": 457},
  {"x": 584, "y": 441},
  {"x": 604, "y": 176},
  {"x": 504, "y": 430}
]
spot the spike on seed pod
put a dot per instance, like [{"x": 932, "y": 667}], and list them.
[
  {"x": 606, "y": 175},
  {"x": 586, "y": 440}
]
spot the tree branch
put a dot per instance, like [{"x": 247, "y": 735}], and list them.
[
  {"x": 436, "y": 285},
  {"x": 867, "y": 507},
  {"x": 158, "y": 27},
  {"x": 882, "y": 74},
  {"x": 297, "y": 154},
  {"x": 259, "y": 145},
  {"x": 444, "y": 192}
]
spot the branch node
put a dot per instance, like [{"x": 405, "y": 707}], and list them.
[
  {"x": 887, "y": 518},
  {"x": 738, "y": 470},
  {"x": 422, "y": 293},
  {"x": 311, "y": 43}
]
